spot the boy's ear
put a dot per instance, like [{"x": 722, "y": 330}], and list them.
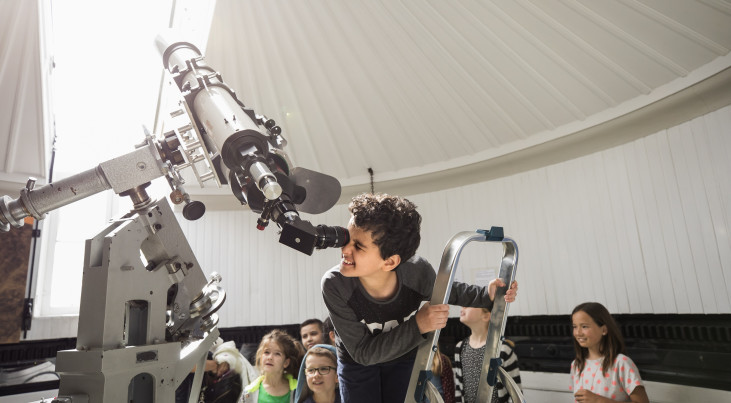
[{"x": 391, "y": 262}]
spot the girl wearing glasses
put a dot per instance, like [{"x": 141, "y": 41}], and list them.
[
  {"x": 277, "y": 359},
  {"x": 318, "y": 380}
]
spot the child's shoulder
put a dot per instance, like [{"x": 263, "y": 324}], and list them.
[
  {"x": 254, "y": 386},
  {"x": 417, "y": 273},
  {"x": 416, "y": 263},
  {"x": 623, "y": 359},
  {"x": 333, "y": 282},
  {"x": 334, "y": 272},
  {"x": 416, "y": 269}
]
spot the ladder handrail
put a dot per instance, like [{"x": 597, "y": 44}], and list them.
[
  {"x": 498, "y": 319},
  {"x": 440, "y": 295}
]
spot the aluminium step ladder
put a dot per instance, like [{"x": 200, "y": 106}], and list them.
[{"x": 419, "y": 385}]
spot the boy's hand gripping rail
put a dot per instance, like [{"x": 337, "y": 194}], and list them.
[{"x": 419, "y": 383}]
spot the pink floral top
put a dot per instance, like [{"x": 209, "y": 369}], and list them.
[{"x": 616, "y": 384}]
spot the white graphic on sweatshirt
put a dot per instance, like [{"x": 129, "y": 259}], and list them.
[{"x": 385, "y": 327}]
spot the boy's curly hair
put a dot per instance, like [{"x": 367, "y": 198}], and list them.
[{"x": 392, "y": 221}]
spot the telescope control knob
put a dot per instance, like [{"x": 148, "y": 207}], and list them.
[{"x": 194, "y": 210}]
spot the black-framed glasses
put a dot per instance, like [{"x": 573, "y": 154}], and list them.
[{"x": 321, "y": 370}]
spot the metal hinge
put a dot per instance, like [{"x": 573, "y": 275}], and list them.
[{"x": 27, "y": 314}]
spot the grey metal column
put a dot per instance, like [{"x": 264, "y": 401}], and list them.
[{"x": 147, "y": 313}]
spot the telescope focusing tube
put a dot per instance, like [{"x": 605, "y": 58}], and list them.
[{"x": 265, "y": 180}]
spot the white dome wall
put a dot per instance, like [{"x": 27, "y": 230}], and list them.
[{"x": 641, "y": 227}]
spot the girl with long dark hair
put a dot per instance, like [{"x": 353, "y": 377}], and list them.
[{"x": 601, "y": 372}]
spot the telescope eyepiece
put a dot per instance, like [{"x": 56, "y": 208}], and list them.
[{"x": 331, "y": 237}]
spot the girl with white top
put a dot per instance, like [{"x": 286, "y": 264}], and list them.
[{"x": 600, "y": 372}]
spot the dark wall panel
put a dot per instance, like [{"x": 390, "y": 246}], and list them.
[{"x": 14, "y": 255}]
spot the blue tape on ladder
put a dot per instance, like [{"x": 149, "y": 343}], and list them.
[
  {"x": 424, "y": 377},
  {"x": 494, "y": 234},
  {"x": 495, "y": 363}
]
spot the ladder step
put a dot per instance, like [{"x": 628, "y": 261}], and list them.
[{"x": 207, "y": 176}]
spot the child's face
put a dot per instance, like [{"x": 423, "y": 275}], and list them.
[
  {"x": 361, "y": 257},
  {"x": 311, "y": 335},
  {"x": 586, "y": 332},
  {"x": 222, "y": 369},
  {"x": 321, "y": 383},
  {"x": 272, "y": 359},
  {"x": 473, "y": 316}
]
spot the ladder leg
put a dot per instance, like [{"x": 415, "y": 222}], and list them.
[
  {"x": 433, "y": 394},
  {"x": 513, "y": 390}
]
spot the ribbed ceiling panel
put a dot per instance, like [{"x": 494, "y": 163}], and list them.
[
  {"x": 412, "y": 88},
  {"x": 409, "y": 87}
]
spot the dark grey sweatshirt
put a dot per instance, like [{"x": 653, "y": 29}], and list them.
[{"x": 370, "y": 331}]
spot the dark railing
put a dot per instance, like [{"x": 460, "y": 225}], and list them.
[{"x": 684, "y": 349}]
